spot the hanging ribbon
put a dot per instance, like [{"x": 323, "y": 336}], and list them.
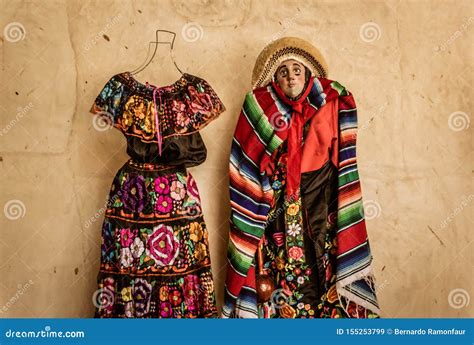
[{"x": 157, "y": 122}]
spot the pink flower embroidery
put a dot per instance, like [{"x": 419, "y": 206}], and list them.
[
  {"x": 181, "y": 117},
  {"x": 182, "y": 120},
  {"x": 191, "y": 291},
  {"x": 164, "y": 204},
  {"x": 165, "y": 309},
  {"x": 200, "y": 102},
  {"x": 163, "y": 245},
  {"x": 295, "y": 253},
  {"x": 178, "y": 107},
  {"x": 162, "y": 185},
  {"x": 177, "y": 190},
  {"x": 192, "y": 187},
  {"x": 126, "y": 237}
]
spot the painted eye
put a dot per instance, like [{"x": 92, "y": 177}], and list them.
[
  {"x": 284, "y": 72},
  {"x": 297, "y": 70}
]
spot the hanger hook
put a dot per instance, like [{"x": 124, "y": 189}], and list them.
[
  {"x": 156, "y": 42},
  {"x": 170, "y": 32}
]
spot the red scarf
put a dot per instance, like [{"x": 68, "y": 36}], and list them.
[
  {"x": 299, "y": 116},
  {"x": 301, "y": 112}
]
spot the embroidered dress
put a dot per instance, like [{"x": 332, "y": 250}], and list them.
[
  {"x": 155, "y": 259},
  {"x": 295, "y": 194}
]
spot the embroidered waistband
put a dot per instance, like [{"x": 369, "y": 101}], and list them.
[{"x": 152, "y": 166}]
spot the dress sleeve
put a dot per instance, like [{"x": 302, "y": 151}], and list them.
[
  {"x": 203, "y": 103},
  {"x": 108, "y": 101}
]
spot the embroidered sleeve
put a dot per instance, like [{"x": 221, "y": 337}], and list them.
[
  {"x": 203, "y": 104},
  {"x": 250, "y": 195},
  {"x": 107, "y": 102}
]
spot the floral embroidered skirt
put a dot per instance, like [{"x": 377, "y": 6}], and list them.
[
  {"x": 306, "y": 290},
  {"x": 155, "y": 252}
]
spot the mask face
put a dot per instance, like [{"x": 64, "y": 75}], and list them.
[{"x": 290, "y": 75}]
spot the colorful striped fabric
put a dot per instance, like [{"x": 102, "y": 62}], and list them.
[{"x": 256, "y": 137}]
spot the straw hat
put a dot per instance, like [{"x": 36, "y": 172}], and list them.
[{"x": 284, "y": 49}]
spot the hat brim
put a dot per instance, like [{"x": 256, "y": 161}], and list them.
[{"x": 283, "y": 49}]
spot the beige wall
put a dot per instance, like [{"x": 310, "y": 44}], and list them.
[{"x": 410, "y": 69}]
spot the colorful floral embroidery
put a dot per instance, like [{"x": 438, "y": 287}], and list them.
[
  {"x": 141, "y": 296},
  {"x": 195, "y": 231},
  {"x": 200, "y": 251},
  {"x": 191, "y": 287},
  {"x": 192, "y": 187},
  {"x": 106, "y": 295},
  {"x": 164, "y": 247},
  {"x": 126, "y": 257},
  {"x": 108, "y": 253},
  {"x": 294, "y": 237},
  {"x": 182, "y": 119},
  {"x": 294, "y": 229},
  {"x": 137, "y": 247},
  {"x": 134, "y": 194},
  {"x": 164, "y": 204},
  {"x": 287, "y": 312},
  {"x": 177, "y": 190},
  {"x": 188, "y": 295},
  {"x": 162, "y": 185},
  {"x": 129, "y": 310},
  {"x": 175, "y": 298},
  {"x": 154, "y": 254},
  {"x": 166, "y": 310},
  {"x": 126, "y": 237},
  {"x": 130, "y": 105},
  {"x": 126, "y": 294},
  {"x": 164, "y": 293},
  {"x": 199, "y": 102},
  {"x": 172, "y": 195},
  {"x": 140, "y": 112}
]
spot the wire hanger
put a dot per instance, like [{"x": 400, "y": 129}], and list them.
[{"x": 156, "y": 42}]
